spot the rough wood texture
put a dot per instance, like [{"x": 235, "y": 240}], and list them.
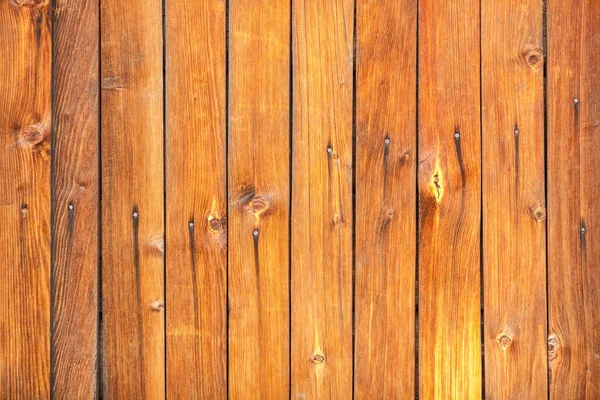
[
  {"x": 322, "y": 48},
  {"x": 259, "y": 198},
  {"x": 514, "y": 214},
  {"x": 574, "y": 217},
  {"x": 196, "y": 201},
  {"x": 449, "y": 200},
  {"x": 132, "y": 199},
  {"x": 25, "y": 69},
  {"x": 75, "y": 201},
  {"x": 386, "y": 150}
]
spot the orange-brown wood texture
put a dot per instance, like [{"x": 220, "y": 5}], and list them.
[
  {"x": 573, "y": 144},
  {"x": 196, "y": 205},
  {"x": 25, "y": 125},
  {"x": 449, "y": 175},
  {"x": 386, "y": 152},
  {"x": 321, "y": 284},
  {"x": 75, "y": 199},
  {"x": 259, "y": 199},
  {"x": 513, "y": 196},
  {"x": 132, "y": 199}
]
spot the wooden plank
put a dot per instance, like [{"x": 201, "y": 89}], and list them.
[
  {"x": 322, "y": 48},
  {"x": 25, "y": 122},
  {"x": 514, "y": 213},
  {"x": 75, "y": 191},
  {"x": 258, "y": 158},
  {"x": 196, "y": 201},
  {"x": 386, "y": 136},
  {"x": 132, "y": 199},
  {"x": 449, "y": 200},
  {"x": 574, "y": 218}
]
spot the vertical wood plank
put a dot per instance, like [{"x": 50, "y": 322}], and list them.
[
  {"x": 449, "y": 200},
  {"x": 258, "y": 158},
  {"x": 514, "y": 215},
  {"x": 385, "y": 199},
  {"x": 25, "y": 122},
  {"x": 322, "y": 43},
  {"x": 574, "y": 218},
  {"x": 75, "y": 190},
  {"x": 132, "y": 198},
  {"x": 196, "y": 201}
]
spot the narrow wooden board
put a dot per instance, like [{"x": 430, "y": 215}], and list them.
[
  {"x": 386, "y": 136},
  {"x": 574, "y": 217},
  {"x": 75, "y": 191},
  {"x": 322, "y": 48},
  {"x": 514, "y": 213},
  {"x": 259, "y": 196},
  {"x": 132, "y": 199},
  {"x": 196, "y": 274},
  {"x": 25, "y": 124},
  {"x": 449, "y": 200}
]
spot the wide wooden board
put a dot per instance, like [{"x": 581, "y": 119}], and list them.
[
  {"x": 196, "y": 223},
  {"x": 449, "y": 200},
  {"x": 132, "y": 199},
  {"x": 322, "y": 50},
  {"x": 259, "y": 199},
  {"x": 386, "y": 154}
]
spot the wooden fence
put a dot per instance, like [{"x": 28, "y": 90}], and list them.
[{"x": 303, "y": 199}]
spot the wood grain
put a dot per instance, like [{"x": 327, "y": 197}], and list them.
[
  {"x": 322, "y": 48},
  {"x": 132, "y": 199},
  {"x": 574, "y": 218},
  {"x": 196, "y": 201},
  {"x": 259, "y": 187},
  {"x": 25, "y": 122},
  {"x": 75, "y": 191},
  {"x": 514, "y": 213},
  {"x": 386, "y": 150},
  {"x": 449, "y": 200}
]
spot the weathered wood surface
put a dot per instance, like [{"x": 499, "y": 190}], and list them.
[
  {"x": 322, "y": 51},
  {"x": 259, "y": 199},
  {"x": 573, "y": 215},
  {"x": 449, "y": 200},
  {"x": 25, "y": 126},
  {"x": 196, "y": 206},
  {"x": 132, "y": 200},
  {"x": 75, "y": 199},
  {"x": 514, "y": 212},
  {"x": 386, "y": 152},
  {"x": 299, "y": 199}
]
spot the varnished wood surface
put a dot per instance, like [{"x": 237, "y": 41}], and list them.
[
  {"x": 299, "y": 199},
  {"x": 133, "y": 341},
  {"x": 75, "y": 199},
  {"x": 573, "y": 216},
  {"x": 322, "y": 215},
  {"x": 449, "y": 175},
  {"x": 196, "y": 208},
  {"x": 514, "y": 211},
  {"x": 259, "y": 199},
  {"x": 386, "y": 151},
  {"x": 25, "y": 126}
]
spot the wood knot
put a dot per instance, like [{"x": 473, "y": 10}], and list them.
[
  {"x": 32, "y": 136},
  {"x": 533, "y": 58},
  {"x": 158, "y": 305},
  {"x": 24, "y": 209},
  {"x": 214, "y": 224},
  {"x": 337, "y": 219},
  {"x": 318, "y": 359},
  {"x": 258, "y": 205},
  {"x": 539, "y": 213},
  {"x": 504, "y": 341},
  {"x": 29, "y": 3},
  {"x": 552, "y": 346}
]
